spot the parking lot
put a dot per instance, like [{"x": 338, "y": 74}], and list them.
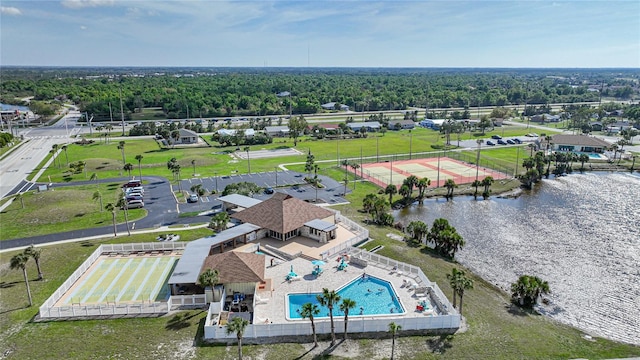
[{"x": 289, "y": 182}]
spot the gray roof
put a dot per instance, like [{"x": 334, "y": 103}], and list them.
[
  {"x": 321, "y": 225},
  {"x": 276, "y": 128},
  {"x": 371, "y": 124},
  {"x": 188, "y": 267},
  {"x": 240, "y": 200}
]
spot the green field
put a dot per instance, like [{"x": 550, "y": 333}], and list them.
[{"x": 121, "y": 280}]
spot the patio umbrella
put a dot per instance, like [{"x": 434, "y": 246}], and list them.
[
  {"x": 318, "y": 262},
  {"x": 291, "y": 273}
]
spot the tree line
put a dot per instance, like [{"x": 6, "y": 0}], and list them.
[{"x": 256, "y": 92}]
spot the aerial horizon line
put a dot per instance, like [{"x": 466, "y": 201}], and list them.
[{"x": 316, "y": 67}]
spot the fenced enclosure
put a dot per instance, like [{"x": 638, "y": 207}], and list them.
[{"x": 136, "y": 287}]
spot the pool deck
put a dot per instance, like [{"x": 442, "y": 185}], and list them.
[{"x": 274, "y": 309}]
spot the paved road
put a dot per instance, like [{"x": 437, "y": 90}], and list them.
[{"x": 15, "y": 167}]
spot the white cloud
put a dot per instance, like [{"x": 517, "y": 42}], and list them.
[
  {"x": 10, "y": 11},
  {"x": 78, "y": 4},
  {"x": 82, "y": 27}
]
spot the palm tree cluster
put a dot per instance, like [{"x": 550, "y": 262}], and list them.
[
  {"x": 377, "y": 207},
  {"x": 329, "y": 299},
  {"x": 173, "y": 165},
  {"x": 459, "y": 282},
  {"x": 219, "y": 221},
  {"x": 445, "y": 238},
  {"x": 526, "y": 291},
  {"x": 19, "y": 261},
  {"x": 535, "y": 168}
]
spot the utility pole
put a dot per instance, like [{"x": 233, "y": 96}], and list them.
[{"x": 121, "y": 110}]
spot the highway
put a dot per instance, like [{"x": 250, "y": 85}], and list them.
[{"x": 20, "y": 163}]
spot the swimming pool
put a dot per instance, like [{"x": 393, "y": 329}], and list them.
[{"x": 373, "y": 296}]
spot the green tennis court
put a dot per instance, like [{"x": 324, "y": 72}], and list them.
[{"x": 123, "y": 280}]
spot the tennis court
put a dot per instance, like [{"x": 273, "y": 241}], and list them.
[
  {"x": 438, "y": 170},
  {"x": 122, "y": 279}
]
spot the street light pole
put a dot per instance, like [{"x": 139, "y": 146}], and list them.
[
  {"x": 479, "y": 141},
  {"x": 276, "y": 176},
  {"x": 216, "y": 174}
]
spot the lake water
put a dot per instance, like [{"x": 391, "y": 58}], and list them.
[
  {"x": 581, "y": 233},
  {"x": 6, "y": 107}
]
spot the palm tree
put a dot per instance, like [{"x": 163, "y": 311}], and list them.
[
  {"x": 453, "y": 282},
  {"x": 464, "y": 284},
  {"x": 391, "y": 190},
  {"x": 19, "y": 261},
  {"x": 98, "y": 196},
  {"x": 121, "y": 148},
  {"x": 198, "y": 189},
  {"x": 583, "y": 159},
  {"x": 112, "y": 208},
  {"x": 422, "y": 185},
  {"x": 354, "y": 166},
  {"x": 237, "y": 325},
  {"x": 193, "y": 163},
  {"x": 450, "y": 185},
  {"x": 345, "y": 306},
  {"x": 528, "y": 289},
  {"x": 122, "y": 204},
  {"x": 310, "y": 310},
  {"x": 475, "y": 184},
  {"x": 329, "y": 299},
  {"x": 219, "y": 221},
  {"x": 93, "y": 177},
  {"x": 64, "y": 148},
  {"x": 417, "y": 229},
  {"x": 405, "y": 192},
  {"x": 411, "y": 182},
  {"x": 208, "y": 278},
  {"x": 35, "y": 253},
  {"x": 54, "y": 150},
  {"x": 486, "y": 182},
  {"x": 246, "y": 149},
  {"x": 128, "y": 167},
  {"x": 139, "y": 158},
  {"x": 393, "y": 329}
]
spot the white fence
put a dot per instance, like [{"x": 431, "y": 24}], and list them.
[
  {"x": 363, "y": 234},
  {"x": 48, "y": 309},
  {"x": 180, "y": 301},
  {"x": 355, "y": 325},
  {"x": 448, "y": 321}
]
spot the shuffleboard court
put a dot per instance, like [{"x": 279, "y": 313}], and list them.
[
  {"x": 262, "y": 154},
  {"x": 437, "y": 170},
  {"x": 122, "y": 279}
]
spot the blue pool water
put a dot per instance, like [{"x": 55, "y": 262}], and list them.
[
  {"x": 373, "y": 296},
  {"x": 595, "y": 156}
]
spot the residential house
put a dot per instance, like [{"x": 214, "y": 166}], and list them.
[
  {"x": 369, "y": 125},
  {"x": 332, "y": 106},
  {"x": 277, "y": 131},
  {"x": 401, "y": 125},
  {"x": 187, "y": 137}
]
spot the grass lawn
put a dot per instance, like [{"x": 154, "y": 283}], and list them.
[
  {"x": 7, "y": 149},
  {"x": 62, "y": 209},
  {"x": 106, "y": 160},
  {"x": 495, "y": 330}
]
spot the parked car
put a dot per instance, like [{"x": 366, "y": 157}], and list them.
[
  {"x": 133, "y": 194},
  {"x": 496, "y": 137},
  {"x": 135, "y": 204},
  {"x": 509, "y": 141},
  {"x": 130, "y": 197},
  {"x": 490, "y": 143},
  {"x": 501, "y": 142},
  {"x": 531, "y": 135},
  {"x": 192, "y": 198},
  {"x": 132, "y": 183},
  {"x": 137, "y": 189},
  {"x": 517, "y": 141},
  {"x": 268, "y": 190}
]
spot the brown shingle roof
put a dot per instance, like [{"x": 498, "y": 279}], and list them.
[
  {"x": 236, "y": 267},
  {"x": 282, "y": 213},
  {"x": 581, "y": 140}
]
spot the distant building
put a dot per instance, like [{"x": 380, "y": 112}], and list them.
[
  {"x": 545, "y": 118},
  {"x": 434, "y": 124},
  {"x": 369, "y": 125},
  {"x": 283, "y": 94},
  {"x": 332, "y": 106},
  {"x": 187, "y": 137},
  {"x": 401, "y": 125},
  {"x": 232, "y": 132},
  {"x": 277, "y": 131}
]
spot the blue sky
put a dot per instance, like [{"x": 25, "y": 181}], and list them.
[{"x": 321, "y": 33}]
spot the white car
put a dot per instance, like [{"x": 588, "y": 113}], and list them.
[{"x": 135, "y": 204}]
